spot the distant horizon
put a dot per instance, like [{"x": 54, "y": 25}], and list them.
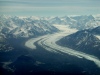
[{"x": 51, "y": 15}]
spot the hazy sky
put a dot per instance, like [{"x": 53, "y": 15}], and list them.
[{"x": 49, "y": 7}]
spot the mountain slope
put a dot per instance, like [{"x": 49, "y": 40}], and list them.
[
  {"x": 24, "y": 27},
  {"x": 14, "y": 30},
  {"x": 96, "y": 31},
  {"x": 4, "y": 45},
  {"x": 83, "y": 41}
]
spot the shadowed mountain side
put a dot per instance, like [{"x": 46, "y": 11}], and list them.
[{"x": 83, "y": 41}]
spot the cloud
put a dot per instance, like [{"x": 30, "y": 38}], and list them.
[{"x": 56, "y": 7}]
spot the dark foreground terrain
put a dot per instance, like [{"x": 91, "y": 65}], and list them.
[{"x": 23, "y": 61}]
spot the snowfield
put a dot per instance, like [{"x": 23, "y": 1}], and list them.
[
  {"x": 98, "y": 36},
  {"x": 48, "y": 42}
]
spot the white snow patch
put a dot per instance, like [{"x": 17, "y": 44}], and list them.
[
  {"x": 65, "y": 28},
  {"x": 98, "y": 36}
]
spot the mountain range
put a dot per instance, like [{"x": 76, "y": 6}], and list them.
[
  {"x": 24, "y": 27},
  {"x": 15, "y": 27},
  {"x": 79, "y": 22}
]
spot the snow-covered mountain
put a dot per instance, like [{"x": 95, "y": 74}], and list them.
[
  {"x": 12, "y": 27},
  {"x": 80, "y": 22},
  {"x": 16, "y": 27},
  {"x": 31, "y": 26},
  {"x": 24, "y": 27},
  {"x": 83, "y": 40}
]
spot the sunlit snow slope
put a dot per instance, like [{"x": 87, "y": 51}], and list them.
[
  {"x": 98, "y": 36},
  {"x": 49, "y": 43}
]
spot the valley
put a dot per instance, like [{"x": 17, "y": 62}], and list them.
[
  {"x": 49, "y": 43},
  {"x": 36, "y": 46}
]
